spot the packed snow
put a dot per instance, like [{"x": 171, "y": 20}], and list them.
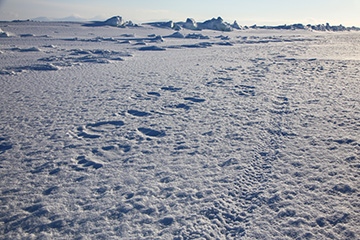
[{"x": 150, "y": 133}]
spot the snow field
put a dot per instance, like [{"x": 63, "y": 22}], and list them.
[{"x": 257, "y": 139}]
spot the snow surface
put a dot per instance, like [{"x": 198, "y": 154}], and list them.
[{"x": 239, "y": 135}]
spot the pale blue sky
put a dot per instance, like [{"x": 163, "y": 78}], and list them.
[{"x": 246, "y": 12}]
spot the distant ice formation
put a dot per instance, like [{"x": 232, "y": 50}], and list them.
[
  {"x": 4, "y": 34},
  {"x": 216, "y": 24},
  {"x": 116, "y": 21},
  {"x": 173, "y": 25},
  {"x": 319, "y": 27},
  {"x": 191, "y": 24},
  {"x": 219, "y": 24},
  {"x": 236, "y": 25}
]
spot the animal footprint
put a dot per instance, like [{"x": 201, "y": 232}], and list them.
[
  {"x": 99, "y": 124},
  {"x": 83, "y": 163},
  {"x": 245, "y": 90},
  {"x": 281, "y": 106},
  {"x": 84, "y": 134},
  {"x": 196, "y": 100},
  {"x": 4, "y": 146},
  {"x": 156, "y": 94},
  {"x": 171, "y": 89},
  {"x": 91, "y": 130},
  {"x": 137, "y": 113},
  {"x": 151, "y": 133}
]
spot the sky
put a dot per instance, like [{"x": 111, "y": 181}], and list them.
[{"x": 246, "y": 12}]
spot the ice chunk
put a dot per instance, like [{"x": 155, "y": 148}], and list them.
[
  {"x": 216, "y": 24},
  {"x": 115, "y": 21},
  {"x": 4, "y": 34},
  {"x": 236, "y": 25},
  {"x": 191, "y": 24}
]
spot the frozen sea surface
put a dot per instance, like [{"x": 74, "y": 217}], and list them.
[{"x": 129, "y": 133}]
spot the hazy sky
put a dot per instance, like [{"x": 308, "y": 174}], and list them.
[{"x": 346, "y": 12}]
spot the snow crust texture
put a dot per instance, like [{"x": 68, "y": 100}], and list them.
[{"x": 140, "y": 133}]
